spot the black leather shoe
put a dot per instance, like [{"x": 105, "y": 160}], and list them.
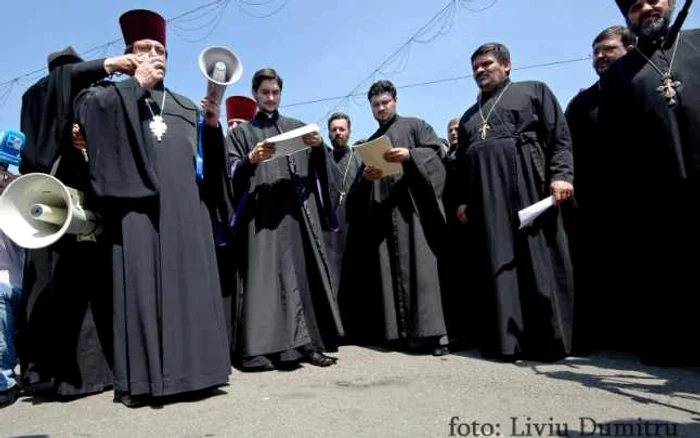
[
  {"x": 132, "y": 401},
  {"x": 441, "y": 351},
  {"x": 9, "y": 396},
  {"x": 321, "y": 360}
]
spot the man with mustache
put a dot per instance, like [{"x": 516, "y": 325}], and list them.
[
  {"x": 650, "y": 114},
  {"x": 397, "y": 227},
  {"x": 286, "y": 308},
  {"x": 514, "y": 149},
  {"x": 585, "y": 234},
  {"x": 343, "y": 173},
  {"x": 157, "y": 207}
]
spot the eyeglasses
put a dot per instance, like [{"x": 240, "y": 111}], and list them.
[{"x": 150, "y": 48}]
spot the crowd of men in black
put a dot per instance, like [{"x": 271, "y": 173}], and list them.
[{"x": 268, "y": 260}]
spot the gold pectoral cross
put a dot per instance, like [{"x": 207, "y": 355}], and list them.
[
  {"x": 484, "y": 127},
  {"x": 668, "y": 88}
]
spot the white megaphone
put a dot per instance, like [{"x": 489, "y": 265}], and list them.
[
  {"x": 222, "y": 68},
  {"x": 37, "y": 209}
]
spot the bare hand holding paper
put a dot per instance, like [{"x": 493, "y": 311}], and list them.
[{"x": 372, "y": 154}]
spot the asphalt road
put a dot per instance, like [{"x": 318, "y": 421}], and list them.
[{"x": 374, "y": 393}]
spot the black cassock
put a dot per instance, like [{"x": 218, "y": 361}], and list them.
[
  {"x": 654, "y": 149},
  {"x": 525, "y": 278},
  {"x": 343, "y": 173},
  {"x": 458, "y": 264},
  {"x": 67, "y": 337},
  {"x": 600, "y": 305},
  {"x": 396, "y": 242},
  {"x": 169, "y": 328},
  {"x": 286, "y": 302}
]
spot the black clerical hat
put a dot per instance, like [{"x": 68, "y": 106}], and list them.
[
  {"x": 624, "y": 5},
  {"x": 62, "y": 57},
  {"x": 141, "y": 24}
]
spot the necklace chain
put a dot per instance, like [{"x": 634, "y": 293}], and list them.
[
  {"x": 157, "y": 126},
  {"x": 485, "y": 120},
  {"x": 668, "y": 85},
  {"x": 162, "y": 105},
  {"x": 343, "y": 191}
]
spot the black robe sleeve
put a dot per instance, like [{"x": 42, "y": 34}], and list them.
[
  {"x": 426, "y": 174},
  {"x": 427, "y": 159},
  {"x": 556, "y": 136},
  {"x": 241, "y": 171},
  {"x": 47, "y": 112},
  {"x": 217, "y": 190},
  {"x": 460, "y": 181},
  {"x": 327, "y": 189},
  {"x": 120, "y": 164},
  {"x": 84, "y": 74}
]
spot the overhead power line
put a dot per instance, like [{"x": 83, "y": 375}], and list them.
[
  {"x": 203, "y": 18},
  {"x": 438, "y": 25},
  {"x": 437, "y": 81}
]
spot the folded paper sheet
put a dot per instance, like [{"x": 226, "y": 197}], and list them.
[
  {"x": 372, "y": 154},
  {"x": 528, "y": 214},
  {"x": 285, "y": 147}
]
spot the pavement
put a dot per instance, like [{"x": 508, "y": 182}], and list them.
[{"x": 376, "y": 393}]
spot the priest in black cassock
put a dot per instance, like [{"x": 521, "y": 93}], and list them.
[
  {"x": 286, "y": 307},
  {"x": 346, "y": 164},
  {"x": 396, "y": 236},
  {"x": 650, "y": 112},
  {"x": 600, "y": 305},
  {"x": 239, "y": 110},
  {"x": 514, "y": 150},
  {"x": 66, "y": 340},
  {"x": 143, "y": 143},
  {"x": 458, "y": 264}
]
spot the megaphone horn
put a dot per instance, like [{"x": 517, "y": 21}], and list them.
[
  {"x": 37, "y": 209},
  {"x": 222, "y": 68}
]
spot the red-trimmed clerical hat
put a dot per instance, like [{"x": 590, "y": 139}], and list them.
[
  {"x": 241, "y": 107},
  {"x": 141, "y": 24}
]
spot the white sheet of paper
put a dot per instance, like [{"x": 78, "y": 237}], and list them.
[
  {"x": 285, "y": 147},
  {"x": 372, "y": 154},
  {"x": 294, "y": 133},
  {"x": 528, "y": 214}
]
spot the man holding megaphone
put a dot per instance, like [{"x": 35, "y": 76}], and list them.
[
  {"x": 143, "y": 141},
  {"x": 66, "y": 338}
]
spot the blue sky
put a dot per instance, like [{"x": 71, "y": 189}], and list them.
[{"x": 326, "y": 48}]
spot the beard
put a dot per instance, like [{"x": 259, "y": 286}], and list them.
[
  {"x": 339, "y": 143},
  {"x": 653, "y": 30}
]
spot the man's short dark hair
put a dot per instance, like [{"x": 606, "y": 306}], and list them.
[
  {"x": 381, "y": 87},
  {"x": 498, "y": 50},
  {"x": 266, "y": 74},
  {"x": 614, "y": 32},
  {"x": 339, "y": 116}
]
